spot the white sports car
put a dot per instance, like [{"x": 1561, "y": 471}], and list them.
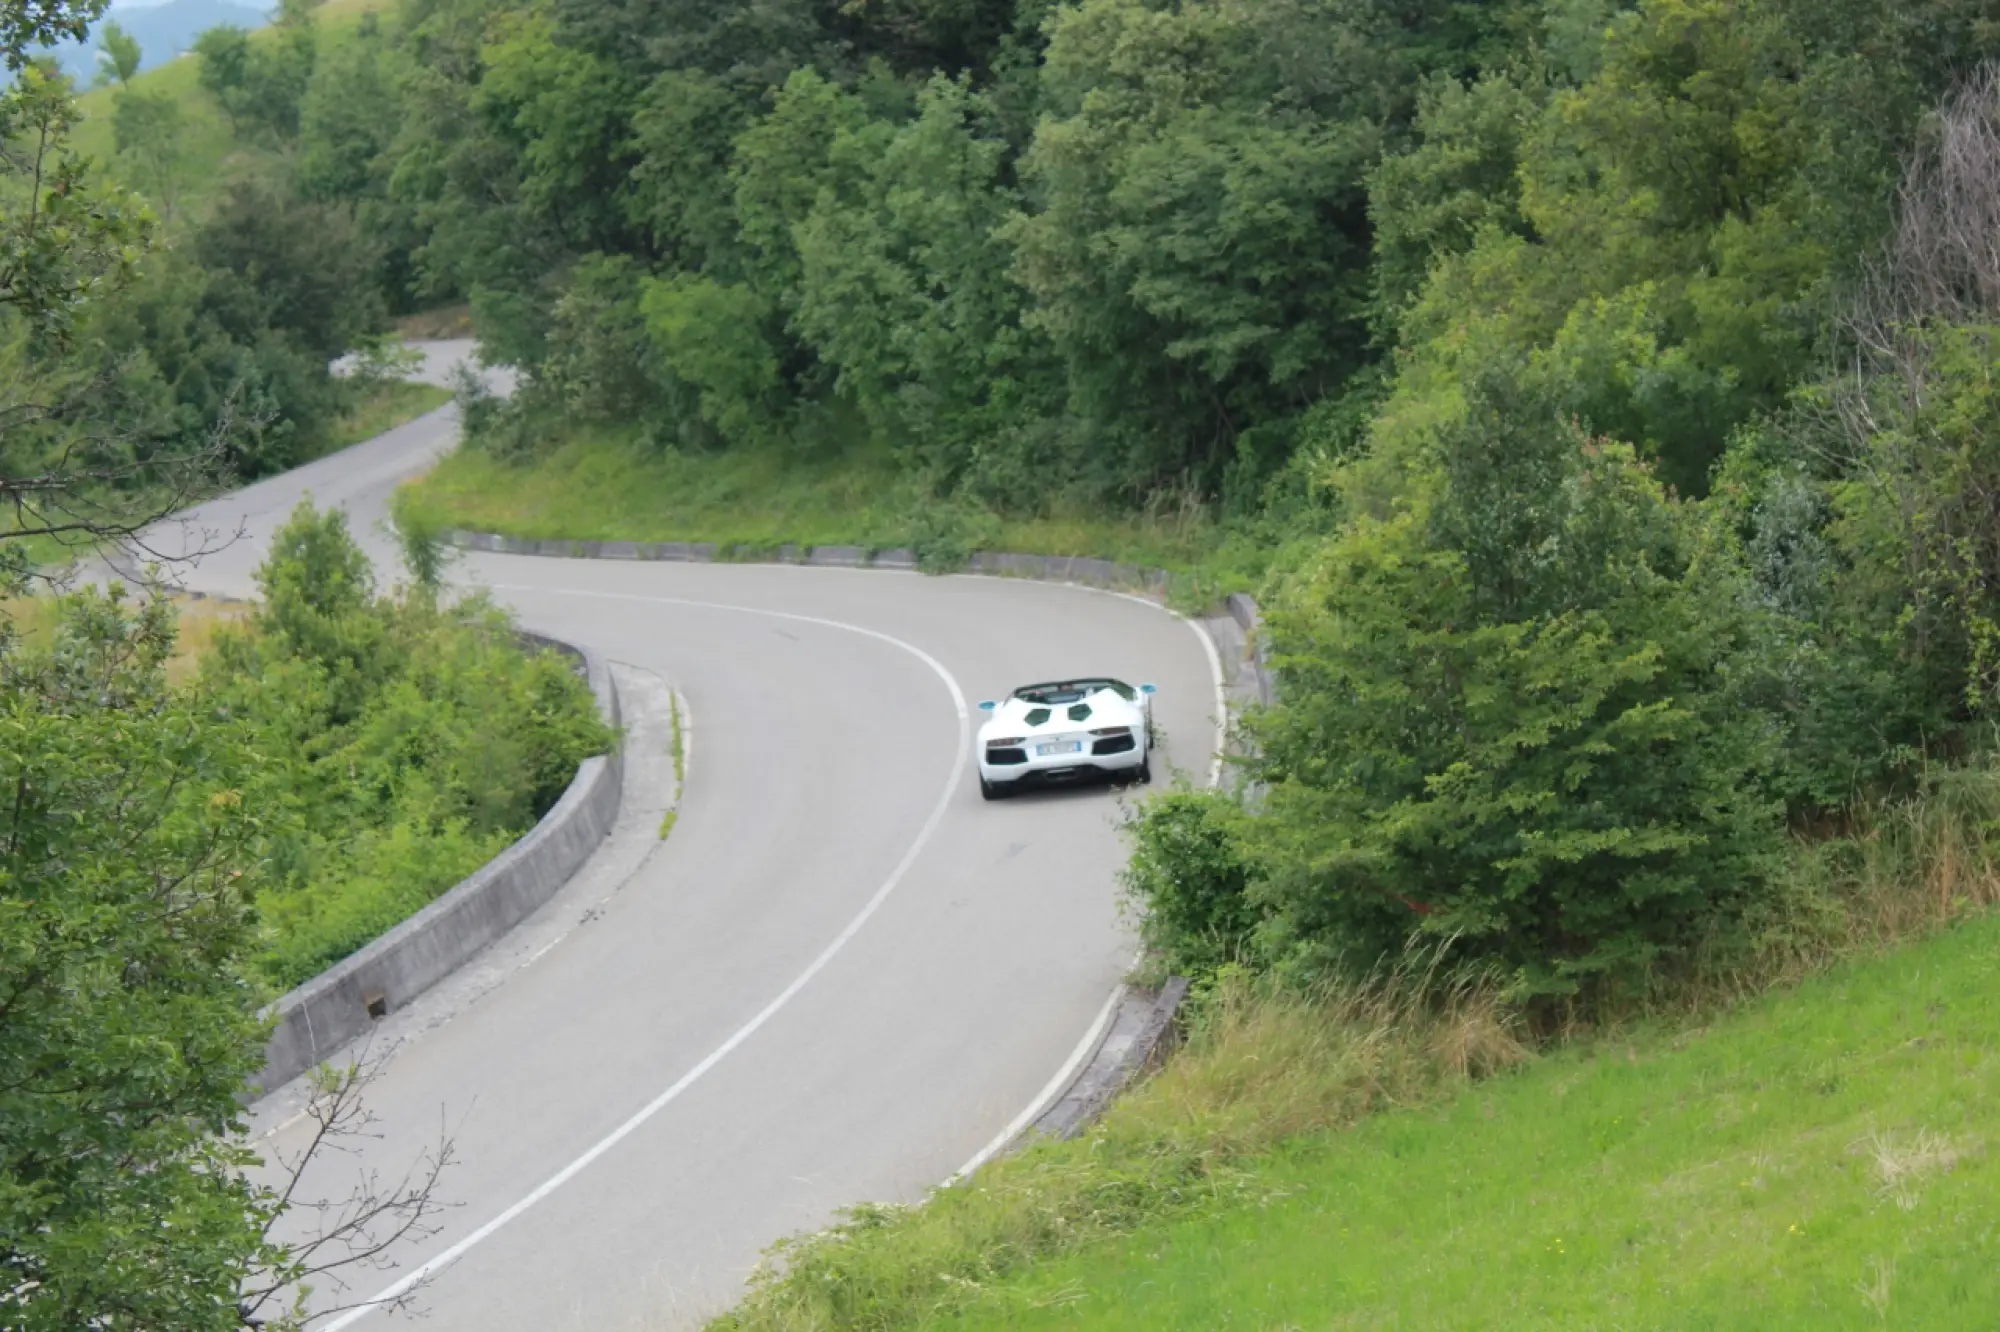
[{"x": 1065, "y": 731}]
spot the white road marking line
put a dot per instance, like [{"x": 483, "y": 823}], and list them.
[
  {"x": 685, "y": 758},
  {"x": 770, "y": 1010},
  {"x": 1056, "y": 1085}
]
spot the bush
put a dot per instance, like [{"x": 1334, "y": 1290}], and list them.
[
  {"x": 417, "y": 738},
  {"x": 1190, "y": 876}
]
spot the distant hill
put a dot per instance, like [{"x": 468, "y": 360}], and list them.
[{"x": 163, "y": 32}]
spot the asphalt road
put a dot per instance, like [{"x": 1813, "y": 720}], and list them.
[{"x": 835, "y": 982}]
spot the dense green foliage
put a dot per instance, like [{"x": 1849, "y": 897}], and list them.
[
  {"x": 154, "y": 350},
  {"x": 1047, "y": 256},
  {"x": 414, "y": 740},
  {"x": 1664, "y": 529},
  {"x": 130, "y": 854}
]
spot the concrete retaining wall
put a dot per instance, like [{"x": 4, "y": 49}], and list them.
[
  {"x": 1058, "y": 568},
  {"x": 334, "y": 1007}
]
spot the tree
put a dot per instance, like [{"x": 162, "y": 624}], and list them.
[
  {"x": 29, "y": 25},
  {"x": 261, "y": 85},
  {"x": 294, "y": 267},
  {"x": 120, "y": 55},
  {"x": 64, "y": 237},
  {"x": 904, "y": 285},
  {"x": 1510, "y": 717},
  {"x": 1195, "y": 237},
  {"x": 124, "y": 902},
  {"x": 146, "y": 126},
  {"x": 131, "y": 845},
  {"x": 74, "y": 468}
]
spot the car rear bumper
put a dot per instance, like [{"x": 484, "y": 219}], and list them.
[{"x": 1061, "y": 769}]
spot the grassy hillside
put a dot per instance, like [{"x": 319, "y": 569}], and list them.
[
  {"x": 209, "y": 146},
  {"x": 1820, "y": 1158}
]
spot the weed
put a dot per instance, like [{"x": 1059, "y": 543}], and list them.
[
  {"x": 679, "y": 744},
  {"x": 1260, "y": 1066},
  {"x": 1902, "y": 1162}
]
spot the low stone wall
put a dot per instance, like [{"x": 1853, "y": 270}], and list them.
[
  {"x": 334, "y": 1007},
  {"x": 1243, "y": 609}
]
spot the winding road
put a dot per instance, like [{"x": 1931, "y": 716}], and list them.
[{"x": 840, "y": 977}]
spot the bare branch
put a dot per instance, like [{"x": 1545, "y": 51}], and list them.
[{"x": 355, "y": 1230}]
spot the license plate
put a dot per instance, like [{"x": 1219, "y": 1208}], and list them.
[{"x": 1060, "y": 747}]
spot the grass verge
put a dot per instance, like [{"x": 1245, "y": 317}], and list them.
[
  {"x": 1259, "y": 1070},
  {"x": 445, "y": 321},
  {"x": 613, "y": 486},
  {"x": 1761, "y": 1154},
  {"x": 392, "y": 404}
]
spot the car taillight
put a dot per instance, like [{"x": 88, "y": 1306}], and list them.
[
  {"x": 1112, "y": 730},
  {"x": 1002, "y": 744}
]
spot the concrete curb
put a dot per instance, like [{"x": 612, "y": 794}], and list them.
[
  {"x": 1137, "y": 1038},
  {"x": 334, "y": 1007},
  {"x": 1059, "y": 568}
]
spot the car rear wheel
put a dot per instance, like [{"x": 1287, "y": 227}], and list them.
[
  {"x": 1146, "y": 771},
  {"x": 988, "y": 791}
]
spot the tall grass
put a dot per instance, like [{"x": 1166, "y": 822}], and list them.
[
  {"x": 196, "y": 624},
  {"x": 1905, "y": 866},
  {"x": 1263, "y": 1066}
]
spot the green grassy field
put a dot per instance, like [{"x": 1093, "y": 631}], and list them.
[
  {"x": 1819, "y": 1158},
  {"x": 617, "y": 488}
]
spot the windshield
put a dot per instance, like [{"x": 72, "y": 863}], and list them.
[{"x": 1062, "y": 692}]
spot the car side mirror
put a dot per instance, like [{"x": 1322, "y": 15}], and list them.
[
  {"x": 1149, "y": 689},
  {"x": 987, "y": 705}
]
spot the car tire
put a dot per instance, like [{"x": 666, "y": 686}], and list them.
[
  {"x": 988, "y": 791},
  {"x": 1146, "y": 771}
]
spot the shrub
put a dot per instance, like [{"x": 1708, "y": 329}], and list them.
[
  {"x": 1190, "y": 876},
  {"x": 417, "y": 739},
  {"x": 1509, "y": 720}
]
